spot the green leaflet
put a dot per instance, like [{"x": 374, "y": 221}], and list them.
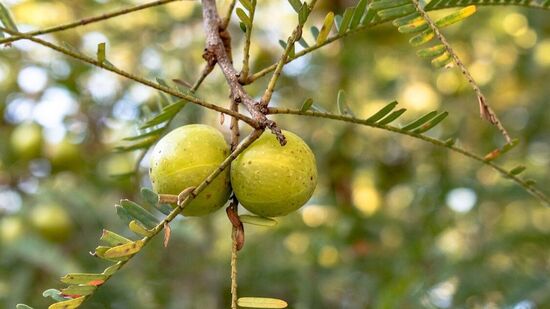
[
  {"x": 244, "y": 18},
  {"x": 517, "y": 170},
  {"x": 303, "y": 42},
  {"x": 79, "y": 290},
  {"x": 165, "y": 209},
  {"x": 247, "y": 5},
  {"x": 432, "y": 123},
  {"x": 358, "y": 14},
  {"x": 112, "y": 269},
  {"x": 382, "y": 112},
  {"x": 420, "y": 121},
  {"x": 101, "y": 52},
  {"x": 113, "y": 239},
  {"x": 343, "y": 107},
  {"x": 384, "y": 4},
  {"x": 391, "y": 117},
  {"x": 149, "y": 196},
  {"x": 303, "y": 14},
  {"x": 397, "y": 12},
  {"x": 510, "y": 145},
  {"x": 257, "y": 220},
  {"x": 167, "y": 113},
  {"x": 123, "y": 214},
  {"x": 314, "y": 32},
  {"x": 54, "y": 294},
  {"x": 6, "y": 19},
  {"x": 306, "y": 105},
  {"x": 137, "y": 212},
  {"x": 450, "y": 141},
  {"x": 430, "y": 52},
  {"x": 346, "y": 20},
  {"x": 296, "y": 5}
]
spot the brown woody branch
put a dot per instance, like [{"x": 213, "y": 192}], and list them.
[{"x": 216, "y": 51}]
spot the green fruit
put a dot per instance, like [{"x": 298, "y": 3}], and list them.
[
  {"x": 184, "y": 158},
  {"x": 271, "y": 180},
  {"x": 51, "y": 221},
  {"x": 26, "y": 141}
]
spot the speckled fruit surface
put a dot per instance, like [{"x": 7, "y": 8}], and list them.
[
  {"x": 184, "y": 158},
  {"x": 271, "y": 180}
]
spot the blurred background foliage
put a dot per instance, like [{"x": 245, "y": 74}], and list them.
[{"x": 394, "y": 222}]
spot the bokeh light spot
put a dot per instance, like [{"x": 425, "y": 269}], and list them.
[{"x": 461, "y": 199}]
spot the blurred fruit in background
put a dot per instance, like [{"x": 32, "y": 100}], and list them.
[
  {"x": 26, "y": 141},
  {"x": 51, "y": 221}
]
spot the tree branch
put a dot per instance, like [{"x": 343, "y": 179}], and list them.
[
  {"x": 530, "y": 188},
  {"x": 87, "y": 21},
  {"x": 168, "y": 90},
  {"x": 216, "y": 51},
  {"x": 485, "y": 110}
]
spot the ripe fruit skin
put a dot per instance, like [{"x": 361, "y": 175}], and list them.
[
  {"x": 184, "y": 158},
  {"x": 271, "y": 180},
  {"x": 51, "y": 221},
  {"x": 26, "y": 141}
]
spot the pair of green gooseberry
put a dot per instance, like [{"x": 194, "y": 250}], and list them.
[{"x": 268, "y": 179}]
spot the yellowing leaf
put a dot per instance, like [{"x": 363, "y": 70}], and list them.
[
  {"x": 68, "y": 304},
  {"x": 79, "y": 278},
  {"x": 325, "y": 30},
  {"x": 124, "y": 250},
  {"x": 137, "y": 228},
  {"x": 456, "y": 16},
  {"x": 261, "y": 302}
]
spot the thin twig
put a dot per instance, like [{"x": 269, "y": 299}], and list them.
[
  {"x": 235, "y": 134},
  {"x": 228, "y": 14},
  {"x": 87, "y": 21},
  {"x": 246, "y": 50},
  {"x": 263, "y": 72},
  {"x": 522, "y": 183},
  {"x": 296, "y": 35},
  {"x": 234, "y": 295},
  {"x": 484, "y": 109},
  {"x": 136, "y": 78}
]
